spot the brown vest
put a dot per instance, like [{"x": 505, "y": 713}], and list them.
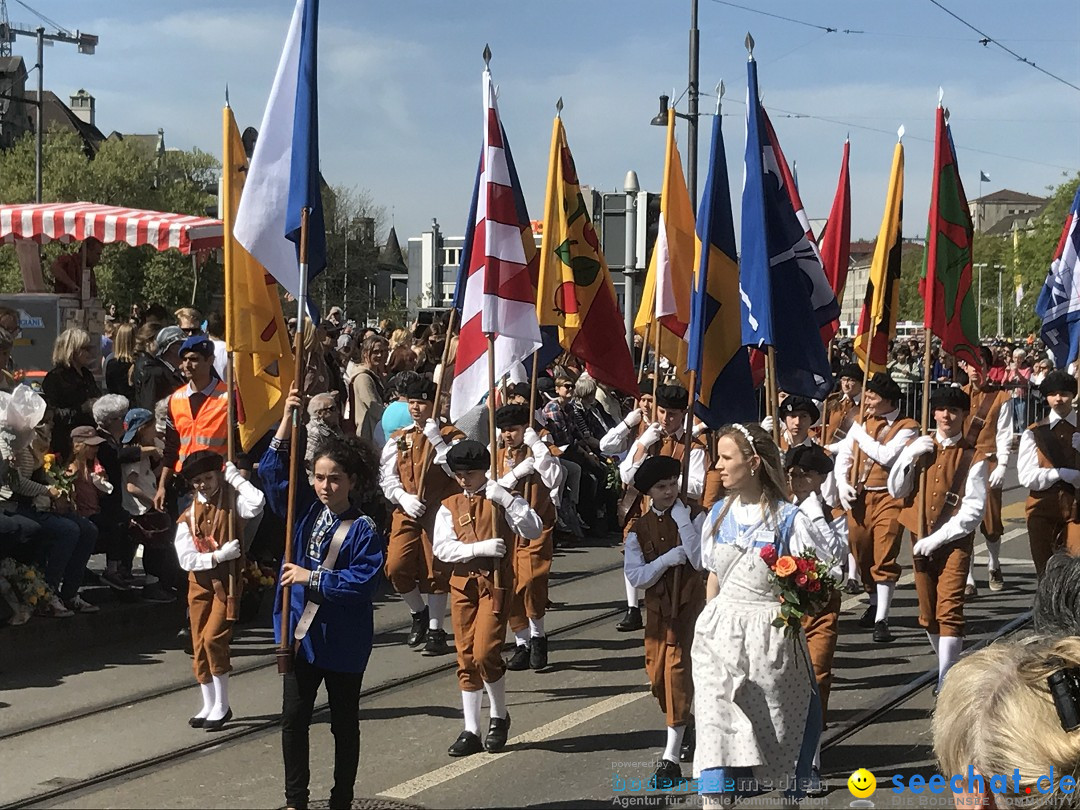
[
  {"x": 838, "y": 406},
  {"x": 412, "y": 445},
  {"x": 986, "y": 441},
  {"x": 472, "y": 523},
  {"x": 539, "y": 496},
  {"x": 634, "y": 502},
  {"x": 871, "y": 474},
  {"x": 658, "y": 534},
  {"x": 942, "y": 467},
  {"x": 1063, "y": 455}
]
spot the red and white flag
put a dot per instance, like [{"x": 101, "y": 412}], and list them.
[{"x": 500, "y": 266}]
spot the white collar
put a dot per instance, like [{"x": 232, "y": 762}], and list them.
[
  {"x": 1054, "y": 418},
  {"x": 207, "y": 391},
  {"x": 891, "y": 416},
  {"x": 948, "y": 441}
]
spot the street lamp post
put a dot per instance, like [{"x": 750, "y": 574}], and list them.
[{"x": 631, "y": 188}]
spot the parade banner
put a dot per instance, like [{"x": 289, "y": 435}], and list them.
[
  {"x": 877, "y": 323},
  {"x": 575, "y": 292},
  {"x": 946, "y": 288},
  {"x": 835, "y": 241},
  {"x": 1059, "y": 300}
]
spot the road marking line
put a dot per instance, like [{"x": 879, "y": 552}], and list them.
[{"x": 463, "y": 766}]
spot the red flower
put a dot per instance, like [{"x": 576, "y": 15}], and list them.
[
  {"x": 801, "y": 580},
  {"x": 804, "y": 564},
  {"x": 769, "y": 555},
  {"x": 814, "y": 586}
]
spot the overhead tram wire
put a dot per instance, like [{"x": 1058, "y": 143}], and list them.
[
  {"x": 828, "y": 29},
  {"x": 989, "y": 40}
]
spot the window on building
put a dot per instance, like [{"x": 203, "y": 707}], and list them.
[{"x": 451, "y": 256}]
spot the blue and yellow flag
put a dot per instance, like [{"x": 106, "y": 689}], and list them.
[{"x": 716, "y": 349}]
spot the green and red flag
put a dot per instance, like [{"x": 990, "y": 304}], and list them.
[{"x": 946, "y": 285}]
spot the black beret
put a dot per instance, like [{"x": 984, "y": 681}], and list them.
[
  {"x": 799, "y": 404},
  {"x": 885, "y": 387},
  {"x": 420, "y": 389},
  {"x": 468, "y": 455},
  {"x": 809, "y": 457},
  {"x": 654, "y": 469},
  {"x": 851, "y": 370},
  {"x": 202, "y": 461},
  {"x": 672, "y": 396},
  {"x": 545, "y": 385},
  {"x": 950, "y": 397},
  {"x": 645, "y": 388},
  {"x": 509, "y": 416},
  {"x": 1058, "y": 382},
  {"x": 517, "y": 390}
]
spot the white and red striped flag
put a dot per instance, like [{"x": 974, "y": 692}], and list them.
[{"x": 496, "y": 292}]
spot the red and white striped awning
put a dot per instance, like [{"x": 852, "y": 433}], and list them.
[{"x": 68, "y": 222}]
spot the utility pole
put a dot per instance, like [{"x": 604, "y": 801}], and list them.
[{"x": 631, "y": 188}]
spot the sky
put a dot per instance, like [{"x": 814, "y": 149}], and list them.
[{"x": 401, "y": 105}]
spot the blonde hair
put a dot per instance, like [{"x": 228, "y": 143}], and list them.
[
  {"x": 397, "y": 337},
  {"x": 188, "y": 314},
  {"x": 68, "y": 344},
  {"x": 995, "y": 714},
  {"x": 124, "y": 343}
]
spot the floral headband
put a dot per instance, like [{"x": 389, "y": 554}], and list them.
[{"x": 749, "y": 438}]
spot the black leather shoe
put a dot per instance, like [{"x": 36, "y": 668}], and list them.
[
  {"x": 466, "y": 744},
  {"x": 436, "y": 643},
  {"x": 668, "y": 775},
  {"x": 419, "y": 628},
  {"x": 689, "y": 743},
  {"x": 498, "y": 731},
  {"x": 538, "y": 648},
  {"x": 631, "y": 621},
  {"x": 520, "y": 659},
  {"x": 881, "y": 632},
  {"x": 196, "y": 722},
  {"x": 867, "y": 619},
  {"x": 216, "y": 725}
]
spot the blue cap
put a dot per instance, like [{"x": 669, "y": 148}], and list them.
[
  {"x": 135, "y": 419},
  {"x": 198, "y": 343}
]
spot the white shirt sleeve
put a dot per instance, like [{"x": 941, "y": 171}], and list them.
[
  {"x": 902, "y": 476},
  {"x": 444, "y": 540},
  {"x": 547, "y": 467},
  {"x": 690, "y": 538},
  {"x": 844, "y": 459},
  {"x": 967, "y": 518},
  {"x": 615, "y": 440},
  {"x": 388, "y": 473},
  {"x": 836, "y": 548},
  {"x": 1006, "y": 426},
  {"x": 189, "y": 557},
  {"x": 886, "y": 453},
  {"x": 1031, "y": 474},
  {"x": 805, "y": 536},
  {"x": 707, "y": 541},
  {"x": 249, "y": 499},
  {"x": 639, "y": 573},
  {"x": 696, "y": 485},
  {"x": 522, "y": 519},
  {"x": 628, "y": 467}
]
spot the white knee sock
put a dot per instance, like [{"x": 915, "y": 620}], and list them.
[
  {"x": 631, "y": 594},
  {"x": 221, "y": 697},
  {"x": 521, "y": 637},
  {"x": 971, "y": 573},
  {"x": 948, "y": 652},
  {"x": 436, "y": 603},
  {"x": 674, "y": 742},
  {"x": 472, "y": 703},
  {"x": 414, "y": 600},
  {"x": 207, "y": 690},
  {"x": 852, "y": 567},
  {"x": 934, "y": 641},
  {"x": 497, "y": 697},
  {"x": 993, "y": 550},
  {"x": 884, "y": 599},
  {"x": 536, "y": 627}
]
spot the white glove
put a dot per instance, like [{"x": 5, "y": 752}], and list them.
[
  {"x": 411, "y": 505},
  {"x": 1076, "y": 441},
  {"x": 498, "y": 494},
  {"x": 767, "y": 424},
  {"x": 633, "y": 419},
  {"x": 832, "y": 449},
  {"x": 525, "y": 468},
  {"x": 488, "y": 548},
  {"x": 653, "y": 433},
  {"x": 508, "y": 481},
  {"x": 928, "y": 545},
  {"x": 846, "y": 493},
  {"x": 919, "y": 446},
  {"x": 431, "y": 431},
  {"x": 532, "y": 438},
  {"x": 676, "y": 556},
  {"x": 556, "y": 496},
  {"x": 699, "y": 428},
  {"x": 233, "y": 476},
  {"x": 1070, "y": 476},
  {"x": 996, "y": 477},
  {"x": 680, "y": 513},
  {"x": 229, "y": 551}
]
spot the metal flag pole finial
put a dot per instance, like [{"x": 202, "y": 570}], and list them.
[
  {"x": 719, "y": 94},
  {"x": 558, "y": 108},
  {"x": 946, "y": 113},
  {"x": 900, "y": 133},
  {"x": 487, "y": 56},
  {"x": 940, "y": 94},
  {"x": 750, "y": 46},
  {"x": 226, "y": 94}
]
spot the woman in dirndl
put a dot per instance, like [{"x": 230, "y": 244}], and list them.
[{"x": 757, "y": 709}]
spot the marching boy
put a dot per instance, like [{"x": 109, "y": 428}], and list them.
[
  {"x": 955, "y": 492},
  {"x": 663, "y": 546},
  {"x": 463, "y": 538},
  {"x": 411, "y": 566},
  {"x": 526, "y": 467},
  {"x": 202, "y": 550}
]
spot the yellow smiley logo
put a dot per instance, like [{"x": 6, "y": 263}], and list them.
[{"x": 862, "y": 783}]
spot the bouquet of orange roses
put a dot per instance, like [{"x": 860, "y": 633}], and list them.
[{"x": 805, "y": 584}]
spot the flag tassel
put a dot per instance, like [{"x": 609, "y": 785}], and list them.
[{"x": 284, "y": 651}]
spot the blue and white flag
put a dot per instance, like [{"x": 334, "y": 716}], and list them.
[
  {"x": 1059, "y": 301},
  {"x": 780, "y": 300},
  {"x": 283, "y": 177}
]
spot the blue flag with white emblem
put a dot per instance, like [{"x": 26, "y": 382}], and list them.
[{"x": 1059, "y": 301}]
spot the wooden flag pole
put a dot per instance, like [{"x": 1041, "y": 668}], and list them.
[
  {"x": 232, "y": 606},
  {"x": 644, "y": 354},
  {"x": 656, "y": 366},
  {"x": 498, "y": 590},
  {"x": 773, "y": 393},
  {"x": 825, "y": 403},
  {"x": 284, "y": 650},
  {"x": 436, "y": 412},
  {"x": 923, "y": 528}
]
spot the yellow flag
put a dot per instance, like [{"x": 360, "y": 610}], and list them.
[
  {"x": 255, "y": 330},
  {"x": 665, "y": 297}
]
